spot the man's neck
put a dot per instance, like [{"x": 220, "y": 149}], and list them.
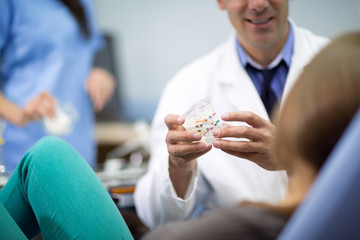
[{"x": 264, "y": 55}]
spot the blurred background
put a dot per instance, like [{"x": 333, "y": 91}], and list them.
[
  {"x": 152, "y": 40},
  {"x": 147, "y": 43}
]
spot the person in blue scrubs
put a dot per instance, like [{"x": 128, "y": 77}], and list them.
[{"x": 46, "y": 53}]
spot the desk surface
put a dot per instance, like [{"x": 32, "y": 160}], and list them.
[{"x": 114, "y": 133}]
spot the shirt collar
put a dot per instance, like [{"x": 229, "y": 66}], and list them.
[{"x": 285, "y": 54}]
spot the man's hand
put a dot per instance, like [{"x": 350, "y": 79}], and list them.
[
  {"x": 182, "y": 152},
  {"x": 100, "y": 86},
  {"x": 259, "y": 135}
]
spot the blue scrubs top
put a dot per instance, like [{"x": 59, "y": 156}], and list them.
[{"x": 42, "y": 48}]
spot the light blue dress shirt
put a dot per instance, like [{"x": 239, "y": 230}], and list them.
[
  {"x": 280, "y": 75},
  {"x": 42, "y": 48}
]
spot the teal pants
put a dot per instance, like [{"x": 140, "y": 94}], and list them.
[{"x": 53, "y": 190}]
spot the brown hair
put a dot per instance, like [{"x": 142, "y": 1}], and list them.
[
  {"x": 322, "y": 102},
  {"x": 78, "y": 12}
]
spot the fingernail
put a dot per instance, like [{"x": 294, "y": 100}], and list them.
[
  {"x": 197, "y": 136},
  {"x": 216, "y": 133},
  {"x": 179, "y": 120},
  {"x": 201, "y": 146},
  {"x": 225, "y": 116},
  {"x": 216, "y": 144}
]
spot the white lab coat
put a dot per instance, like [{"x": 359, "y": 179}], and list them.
[{"x": 220, "y": 180}]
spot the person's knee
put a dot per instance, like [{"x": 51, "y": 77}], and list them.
[
  {"x": 51, "y": 141},
  {"x": 45, "y": 156},
  {"x": 49, "y": 151},
  {"x": 50, "y": 145}
]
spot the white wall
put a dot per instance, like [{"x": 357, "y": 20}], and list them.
[
  {"x": 326, "y": 17},
  {"x": 156, "y": 38}
]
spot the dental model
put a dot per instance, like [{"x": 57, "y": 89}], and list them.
[{"x": 201, "y": 117}]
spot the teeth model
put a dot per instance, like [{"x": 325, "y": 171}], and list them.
[{"x": 201, "y": 117}]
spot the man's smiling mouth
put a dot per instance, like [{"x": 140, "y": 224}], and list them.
[{"x": 260, "y": 21}]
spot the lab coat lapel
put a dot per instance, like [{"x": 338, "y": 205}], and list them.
[
  {"x": 301, "y": 56},
  {"x": 236, "y": 85},
  {"x": 298, "y": 58}
]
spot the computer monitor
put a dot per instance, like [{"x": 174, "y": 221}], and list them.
[{"x": 106, "y": 58}]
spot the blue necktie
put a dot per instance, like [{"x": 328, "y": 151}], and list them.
[{"x": 267, "y": 94}]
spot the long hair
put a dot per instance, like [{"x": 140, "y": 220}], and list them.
[
  {"x": 321, "y": 103},
  {"x": 77, "y": 11}
]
